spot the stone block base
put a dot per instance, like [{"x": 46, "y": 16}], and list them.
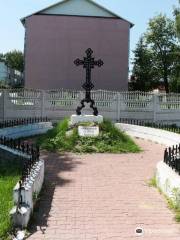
[
  {"x": 30, "y": 189},
  {"x": 75, "y": 119},
  {"x": 20, "y": 217},
  {"x": 168, "y": 181}
]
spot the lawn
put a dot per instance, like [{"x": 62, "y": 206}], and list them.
[
  {"x": 110, "y": 140},
  {"x": 10, "y": 168}
]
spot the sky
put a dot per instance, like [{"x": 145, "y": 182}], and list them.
[{"x": 136, "y": 11}]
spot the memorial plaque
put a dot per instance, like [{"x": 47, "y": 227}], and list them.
[{"x": 88, "y": 131}]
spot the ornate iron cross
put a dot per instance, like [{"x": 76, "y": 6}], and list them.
[{"x": 88, "y": 63}]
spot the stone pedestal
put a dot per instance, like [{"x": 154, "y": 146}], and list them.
[{"x": 75, "y": 119}]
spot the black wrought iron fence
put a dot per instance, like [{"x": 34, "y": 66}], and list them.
[
  {"x": 22, "y": 121},
  {"x": 28, "y": 167},
  {"x": 159, "y": 125},
  {"x": 17, "y": 144},
  {"x": 29, "y": 158},
  {"x": 172, "y": 157},
  {"x": 30, "y": 153}
]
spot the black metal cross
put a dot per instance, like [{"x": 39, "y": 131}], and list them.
[{"x": 88, "y": 63}]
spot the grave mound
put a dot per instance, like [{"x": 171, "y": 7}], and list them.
[{"x": 87, "y": 137}]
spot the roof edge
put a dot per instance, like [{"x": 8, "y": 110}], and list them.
[
  {"x": 53, "y": 5},
  {"x": 116, "y": 15}
]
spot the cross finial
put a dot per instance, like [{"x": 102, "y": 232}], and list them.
[{"x": 88, "y": 63}]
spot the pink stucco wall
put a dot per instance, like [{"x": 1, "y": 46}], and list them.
[{"x": 54, "y": 42}]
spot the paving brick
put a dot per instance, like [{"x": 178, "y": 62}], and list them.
[{"x": 103, "y": 197}]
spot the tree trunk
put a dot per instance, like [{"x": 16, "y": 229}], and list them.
[{"x": 166, "y": 83}]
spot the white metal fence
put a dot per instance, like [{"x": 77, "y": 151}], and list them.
[{"x": 57, "y": 104}]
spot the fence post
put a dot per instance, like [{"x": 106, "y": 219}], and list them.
[
  {"x": 5, "y": 101},
  {"x": 81, "y": 96},
  {"x": 118, "y": 105},
  {"x": 42, "y": 102},
  {"x": 155, "y": 102}
]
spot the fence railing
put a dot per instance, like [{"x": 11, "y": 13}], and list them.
[
  {"x": 57, "y": 104},
  {"x": 22, "y": 121},
  {"x": 29, "y": 155},
  {"x": 16, "y": 144},
  {"x": 172, "y": 157}
]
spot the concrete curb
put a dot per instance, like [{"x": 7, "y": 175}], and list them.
[
  {"x": 26, "y": 130},
  {"x": 156, "y": 135}
]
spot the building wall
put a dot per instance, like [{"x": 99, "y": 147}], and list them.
[
  {"x": 10, "y": 76},
  {"x": 3, "y": 71},
  {"x": 54, "y": 42}
]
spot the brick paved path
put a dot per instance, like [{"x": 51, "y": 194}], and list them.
[{"x": 103, "y": 197}]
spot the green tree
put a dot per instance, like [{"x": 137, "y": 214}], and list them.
[
  {"x": 161, "y": 38},
  {"x": 175, "y": 79},
  {"x": 143, "y": 73},
  {"x": 15, "y": 60},
  {"x": 177, "y": 16},
  {"x": 178, "y": 24},
  {"x": 175, "y": 76}
]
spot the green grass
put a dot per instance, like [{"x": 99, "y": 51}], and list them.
[
  {"x": 152, "y": 182},
  {"x": 174, "y": 207},
  {"x": 110, "y": 140},
  {"x": 9, "y": 175}
]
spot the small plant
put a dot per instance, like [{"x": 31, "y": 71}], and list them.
[
  {"x": 174, "y": 207},
  {"x": 152, "y": 182}
]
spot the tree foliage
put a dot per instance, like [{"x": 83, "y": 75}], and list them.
[
  {"x": 178, "y": 24},
  {"x": 143, "y": 75},
  {"x": 177, "y": 16},
  {"x": 175, "y": 81},
  {"x": 14, "y": 59},
  {"x": 157, "y": 56},
  {"x": 161, "y": 37}
]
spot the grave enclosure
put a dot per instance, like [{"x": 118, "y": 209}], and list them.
[
  {"x": 32, "y": 166},
  {"x": 57, "y": 104}
]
